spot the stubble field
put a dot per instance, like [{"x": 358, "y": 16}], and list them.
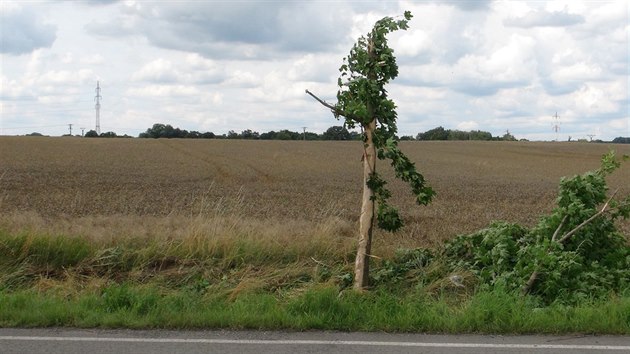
[{"x": 138, "y": 186}]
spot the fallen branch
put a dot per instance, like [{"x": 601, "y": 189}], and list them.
[
  {"x": 569, "y": 234},
  {"x": 555, "y": 234},
  {"x": 530, "y": 283},
  {"x": 532, "y": 279}
]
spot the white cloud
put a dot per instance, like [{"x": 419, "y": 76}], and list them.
[
  {"x": 194, "y": 69},
  {"x": 65, "y": 77},
  {"x": 313, "y": 68},
  {"x": 620, "y": 124},
  {"x": 244, "y": 79},
  {"x": 163, "y": 91},
  {"x": 578, "y": 72},
  {"x": 468, "y": 125},
  {"x": 414, "y": 43},
  {"x": 591, "y": 100},
  {"x": 545, "y": 19},
  {"x": 94, "y": 59},
  {"x": 10, "y": 89},
  {"x": 159, "y": 70},
  {"x": 250, "y": 29},
  {"x": 509, "y": 63},
  {"x": 245, "y": 65},
  {"x": 23, "y": 30},
  {"x": 277, "y": 89}
]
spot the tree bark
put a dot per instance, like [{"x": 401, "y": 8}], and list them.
[{"x": 366, "y": 220}]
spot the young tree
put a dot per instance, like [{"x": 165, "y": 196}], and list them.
[{"x": 362, "y": 101}]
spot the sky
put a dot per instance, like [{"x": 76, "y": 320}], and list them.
[{"x": 217, "y": 66}]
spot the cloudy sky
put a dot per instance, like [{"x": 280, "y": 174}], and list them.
[{"x": 235, "y": 65}]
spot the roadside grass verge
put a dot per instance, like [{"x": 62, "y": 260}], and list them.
[
  {"x": 230, "y": 272},
  {"x": 319, "y": 307}
]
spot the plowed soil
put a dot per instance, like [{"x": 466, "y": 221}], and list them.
[{"x": 476, "y": 182}]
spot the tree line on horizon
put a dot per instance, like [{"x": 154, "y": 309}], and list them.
[
  {"x": 159, "y": 130},
  {"x": 167, "y": 131}
]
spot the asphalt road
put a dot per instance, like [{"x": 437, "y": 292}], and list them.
[{"x": 75, "y": 341}]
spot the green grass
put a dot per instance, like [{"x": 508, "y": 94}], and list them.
[
  {"x": 321, "y": 307},
  {"x": 239, "y": 280}
]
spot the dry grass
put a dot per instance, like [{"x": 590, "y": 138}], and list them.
[{"x": 283, "y": 191}]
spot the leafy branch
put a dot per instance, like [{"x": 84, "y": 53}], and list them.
[{"x": 535, "y": 274}]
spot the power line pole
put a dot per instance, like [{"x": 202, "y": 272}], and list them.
[
  {"x": 97, "y": 98},
  {"x": 556, "y": 126},
  {"x": 70, "y": 127},
  {"x": 590, "y": 136},
  {"x": 304, "y": 129},
  {"x": 82, "y": 132}
]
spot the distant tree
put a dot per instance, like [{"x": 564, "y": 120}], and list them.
[
  {"x": 480, "y": 135},
  {"x": 440, "y": 133},
  {"x": 406, "y": 138},
  {"x": 312, "y": 136},
  {"x": 108, "y": 135},
  {"x": 508, "y": 137},
  {"x": 232, "y": 135},
  {"x": 34, "y": 134},
  {"x": 288, "y": 135},
  {"x": 91, "y": 134},
  {"x": 248, "y": 134},
  {"x": 193, "y": 134},
  {"x": 458, "y": 135},
  {"x": 159, "y": 130},
  {"x": 169, "y": 132},
  {"x": 336, "y": 133},
  {"x": 621, "y": 140},
  {"x": 434, "y": 134},
  {"x": 270, "y": 135},
  {"x": 156, "y": 131},
  {"x": 356, "y": 135}
]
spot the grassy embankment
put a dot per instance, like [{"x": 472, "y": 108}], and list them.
[
  {"x": 229, "y": 276},
  {"x": 128, "y": 241}
]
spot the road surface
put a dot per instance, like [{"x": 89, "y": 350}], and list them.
[{"x": 96, "y": 341}]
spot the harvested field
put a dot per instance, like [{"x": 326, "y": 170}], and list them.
[{"x": 70, "y": 180}]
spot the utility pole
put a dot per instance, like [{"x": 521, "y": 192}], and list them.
[
  {"x": 590, "y": 136},
  {"x": 70, "y": 127},
  {"x": 97, "y": 98},
  {"x": 556, "y": 126},
  {"x": 82, "y": 132},
  {"x": 304, "y": 129}
]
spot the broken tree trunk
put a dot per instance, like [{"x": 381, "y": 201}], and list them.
[{"x": 366, "y": 220}]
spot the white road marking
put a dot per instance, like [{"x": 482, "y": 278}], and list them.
[{"x": 319, "y": 342}]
